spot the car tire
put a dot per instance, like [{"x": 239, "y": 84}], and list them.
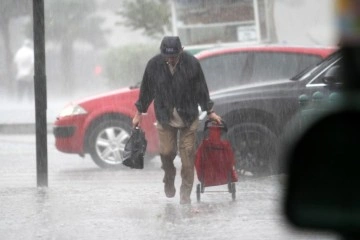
[
  {"x": 255, "y": 148},
  {"x": 107, "y": 142}
]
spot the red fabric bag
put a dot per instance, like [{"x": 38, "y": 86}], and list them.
[{"x": 215, "y": 162}]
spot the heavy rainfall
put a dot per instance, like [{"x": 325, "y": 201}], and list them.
[{"x": 101, "y": 48}]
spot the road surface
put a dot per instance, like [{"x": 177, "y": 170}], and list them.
[{"x": 85, "y": 202}]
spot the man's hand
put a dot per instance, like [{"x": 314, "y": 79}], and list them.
[
  {"x": 136, "y": 120},
  {"x": 213, "y": 116}
]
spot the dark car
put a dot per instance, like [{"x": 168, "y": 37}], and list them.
[{"x": 257, "y": 114}]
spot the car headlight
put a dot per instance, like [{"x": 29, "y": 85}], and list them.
[{"x": 72, "y": 110}]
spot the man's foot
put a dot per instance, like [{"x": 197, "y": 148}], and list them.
[
  {"x": 169, "y": 189},
  {"x": 169, "y": 182}
]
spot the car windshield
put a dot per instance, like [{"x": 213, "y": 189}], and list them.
[
  {"x": 313, "y": 70},
  {"x": 243, "y": 67}
]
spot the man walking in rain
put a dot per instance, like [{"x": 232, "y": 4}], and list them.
[
  {"x": 24, "y": 61},
  {"x": 175, "y": 81}
]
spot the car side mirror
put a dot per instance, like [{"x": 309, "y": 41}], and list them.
[{"x": 332, "y": 78}]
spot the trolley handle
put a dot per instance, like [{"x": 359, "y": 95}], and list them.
[{"x": 222, "y": 125}]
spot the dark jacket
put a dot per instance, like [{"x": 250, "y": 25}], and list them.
[{"x": 184, "y": 90}]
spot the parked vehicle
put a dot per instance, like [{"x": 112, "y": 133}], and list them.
[
  {"x": 257, "y": 114},
  {"x": 101, "y": 125}
]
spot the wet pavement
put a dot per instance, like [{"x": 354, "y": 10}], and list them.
[{"x": 85, "y": 202}]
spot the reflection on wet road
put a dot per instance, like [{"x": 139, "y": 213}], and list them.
[{"x": 85, "y": 202}]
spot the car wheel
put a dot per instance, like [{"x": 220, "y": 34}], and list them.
[
  {"x": 107, "y": 142},
  {"x": 255, "y": 149}
]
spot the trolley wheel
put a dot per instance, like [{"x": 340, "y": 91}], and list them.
[
  {"x": 233, "y": 191},
  {"x": 198, "y": 191},
  {"x": 202, "y": 188}
]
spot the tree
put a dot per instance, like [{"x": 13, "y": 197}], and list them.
[
  {"x": 123, "y": 63},
  {"x": 68, "y": 21},
  {"x": 10, "y": 9},
  {"x": 153, "y": 16}
]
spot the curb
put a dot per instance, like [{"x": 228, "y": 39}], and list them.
[{"x": 21, "y": 128}]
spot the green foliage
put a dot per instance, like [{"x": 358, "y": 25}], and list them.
[
  {"x": 10, "y": 9},
  {"x": 66, "y": 22},
  {"x": 153, "y": 16},
  {"x": 15, "y": 8},
  {"x": 124, "y": 66},
  {"x": 70, "y": 20}
]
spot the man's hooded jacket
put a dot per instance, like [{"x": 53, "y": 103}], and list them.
[{"x": 184, "y": 90}]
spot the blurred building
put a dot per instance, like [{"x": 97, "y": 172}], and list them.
[
  {"x": 211, "y": 21},
  {"x": 304, "y": 22}
]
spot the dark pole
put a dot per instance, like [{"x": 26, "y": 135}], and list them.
[{"x": 40, "y": 93}]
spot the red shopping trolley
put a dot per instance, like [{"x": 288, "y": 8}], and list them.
[{"x": 214, "y": 162}]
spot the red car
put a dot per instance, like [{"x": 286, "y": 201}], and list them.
[{"x": 101, "y": 125}]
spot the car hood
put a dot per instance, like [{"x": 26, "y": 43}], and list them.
[{"x": 115, "y": 96}]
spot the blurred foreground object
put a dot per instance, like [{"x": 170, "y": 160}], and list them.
[
  {"x": 324, "y": 161},
  {"x": 323, "y": 172}
]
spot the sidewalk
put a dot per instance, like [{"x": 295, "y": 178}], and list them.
[{"x": 19, "y": 118}]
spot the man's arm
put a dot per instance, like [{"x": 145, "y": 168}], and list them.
[
  {"x": 136, "y": 119},
  {"x": 204, "y": 100},
  {"x": 146, "y": 96},
  {"x": 146, "y": 91},
  {"x": 202, "y": 92}
]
